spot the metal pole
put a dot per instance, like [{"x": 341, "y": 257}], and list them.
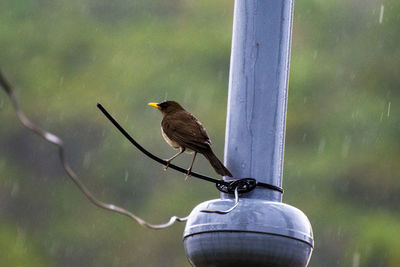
[
  {"x": 258, "y": 82},
  {"x": 261, "y": 230}
]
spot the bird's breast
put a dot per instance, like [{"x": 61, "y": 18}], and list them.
[
  {"x": 173, "y": 143},
  {"x": 169, "y": 141}
]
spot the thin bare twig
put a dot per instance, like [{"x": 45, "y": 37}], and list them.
[{"x": 53, "y": 139}]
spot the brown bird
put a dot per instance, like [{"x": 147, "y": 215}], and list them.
[{"x": 183, "y": 131}]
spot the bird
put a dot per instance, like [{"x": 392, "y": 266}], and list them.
[{"x": 182, "y": 131}]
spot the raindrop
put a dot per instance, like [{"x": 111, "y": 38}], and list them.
[
  {"x": 346, "y": 146},
  {"x": 243, "y": 165},
  {"x": 388, "y": 110},
  {"x": 87, "y": 159},
  {"x": 321, "y": 146},
  {"x": 356, "y": 259},
  {"x": 15, "y": 189},
  {"x": 304, "y": 137},
  {"x": 355, "y": 114},
  {"x": 126, "y": 175},
  {"x": 381, "y": 14},
  {"x": 61, "y": 82},
  {"x": 315, "y": 54}
]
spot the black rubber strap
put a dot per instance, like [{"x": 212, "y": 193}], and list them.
[{"x": 244, "y": 185}]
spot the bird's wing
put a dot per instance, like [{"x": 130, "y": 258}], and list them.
[{"x": 187, "y": 131}]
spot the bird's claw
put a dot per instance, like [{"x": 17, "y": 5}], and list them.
[
  {"x": 166, "y": 166},
  {"x": 188, "y": 174}
]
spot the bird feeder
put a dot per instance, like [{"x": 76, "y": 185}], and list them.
[{"x": 261, "y": 230}]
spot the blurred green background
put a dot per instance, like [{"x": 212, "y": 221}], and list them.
[{"x": 342, "y": 159}]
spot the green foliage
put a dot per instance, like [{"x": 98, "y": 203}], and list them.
[
  {"x": 343, "y": 127},
  {"x": 18, "y": 249}
]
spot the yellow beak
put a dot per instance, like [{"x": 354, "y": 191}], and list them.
[{"x": 155, "y": 105}]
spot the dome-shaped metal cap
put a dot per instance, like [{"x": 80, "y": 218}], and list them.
[{"x": 256, "y": 233}]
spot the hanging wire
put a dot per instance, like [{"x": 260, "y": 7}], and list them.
[
  {"x": 228, "y": 210},
  {"x": 153, "y": 157},
  {"x": 244, "y": 185},
  {"x": 53, "y": 139}
]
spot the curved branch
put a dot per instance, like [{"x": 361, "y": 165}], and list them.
[
  {"x": 53, "y": 139},
  {"x": 227, "y": 184},
  {"x": 153, "y": 157}
]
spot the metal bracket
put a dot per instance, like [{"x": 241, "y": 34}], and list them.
[
  {"x": 242, "y": 185},
  {"x": 228, "y": 210}
]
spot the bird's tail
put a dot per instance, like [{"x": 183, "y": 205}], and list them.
[{"x": 217, "y": 165}]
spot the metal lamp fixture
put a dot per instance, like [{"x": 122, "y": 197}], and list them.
[{"x": 261, "y": 230}]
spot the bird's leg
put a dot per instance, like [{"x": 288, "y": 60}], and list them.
[
  {"x": 190, "y": 169},
  {"x": 181, "y": 150}
]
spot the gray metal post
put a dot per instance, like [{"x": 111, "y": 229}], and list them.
[
  {"x": 261, "y": 230},
  {"x": 258, "y": 82}
]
